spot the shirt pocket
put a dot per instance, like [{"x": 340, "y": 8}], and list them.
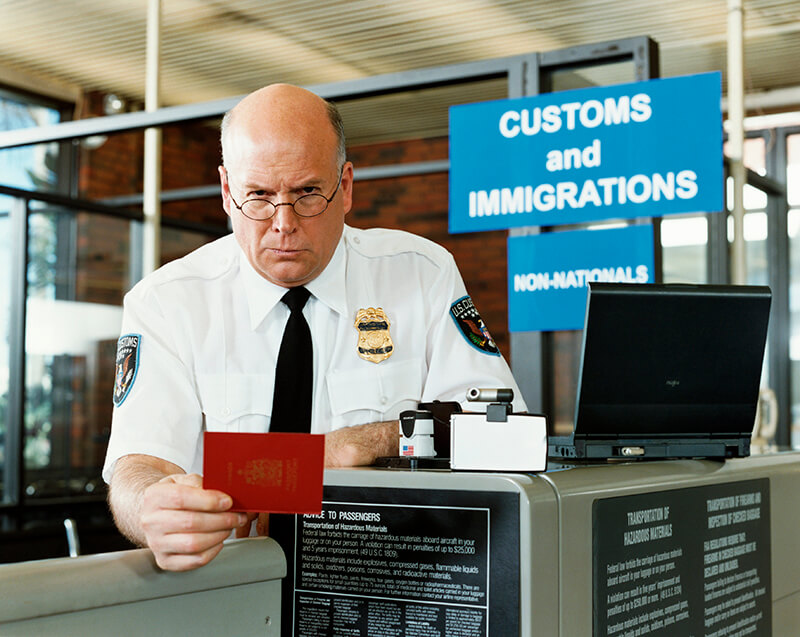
[
  {"x": 236, "y": 402},
  {"x": 374, "y": 393}
]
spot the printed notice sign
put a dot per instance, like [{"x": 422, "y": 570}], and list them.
[
  {"x": 692, "y": 562},
  {"x": 549, "y": 273},
  {"x": 614, "y": 152},
  {"x": 407, "y": 563}
]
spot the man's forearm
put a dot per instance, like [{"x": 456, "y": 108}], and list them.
[
  {"x": 132, "y": 475},
  {"x": 360, "y": 445}
]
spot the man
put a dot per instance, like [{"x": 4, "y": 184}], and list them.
[{"x": 390, "y": 321}]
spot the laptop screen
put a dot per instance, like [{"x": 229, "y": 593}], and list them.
[{"x": 671, "y": 360}]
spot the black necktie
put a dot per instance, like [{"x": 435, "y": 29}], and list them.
[
  {"x": 294, "y": 375},
  {"x": 291, "y": 412}
]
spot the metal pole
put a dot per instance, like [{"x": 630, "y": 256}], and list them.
[
  {"x": 736, "y": 135},
  {"x": 151, "y": 248},
  {"x": 13, "y": 469}
]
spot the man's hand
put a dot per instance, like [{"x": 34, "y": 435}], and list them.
[
  {"x": 158, "y": 506},
  {"x": 262, "y": 525},
  {"x": 185, "y": 525},
  {"x": 360, "y": 445}
]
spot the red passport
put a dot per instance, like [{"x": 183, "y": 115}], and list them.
[{"x": 273, "y": 472}]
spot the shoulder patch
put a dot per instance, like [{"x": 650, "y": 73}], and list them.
[
  {"x": 472, "y": 327},
  {"x": 127, "y": 366}
]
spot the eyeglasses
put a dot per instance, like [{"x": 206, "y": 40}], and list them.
[{"x": 304, "y": 206}]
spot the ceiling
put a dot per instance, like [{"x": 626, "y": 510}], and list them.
[{"x": 214, "y": 49}]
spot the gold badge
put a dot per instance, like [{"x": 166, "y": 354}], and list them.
[{"x": 374, "y": 342}]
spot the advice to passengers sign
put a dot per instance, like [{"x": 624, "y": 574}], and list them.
[{"x": 633, "y": 150}]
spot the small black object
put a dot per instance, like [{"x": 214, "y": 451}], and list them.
[
  {"x": 409, "y": 418},
  {"x": 498, "y": 412},
  {"x": 441, "y": 410}
]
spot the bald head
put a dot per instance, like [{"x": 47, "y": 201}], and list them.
[{"x": 287, "y": 111}]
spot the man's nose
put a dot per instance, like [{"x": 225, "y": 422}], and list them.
[{"x": 285, "y": 219}]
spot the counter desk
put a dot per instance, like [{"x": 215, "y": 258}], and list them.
[
  {"x": 126, "y": 594},
  {"x": 680, "y": 547}
]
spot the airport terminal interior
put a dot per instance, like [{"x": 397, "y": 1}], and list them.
[{"x": 109, "y": 155}]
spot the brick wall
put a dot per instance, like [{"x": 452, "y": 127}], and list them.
[{"x": 190, "y": 155}]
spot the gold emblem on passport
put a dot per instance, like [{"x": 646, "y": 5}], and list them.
[
  {"x": 270, "y": 472},
  {"x": 263, "y": 472},
  {"x": 374, "y": 342}
]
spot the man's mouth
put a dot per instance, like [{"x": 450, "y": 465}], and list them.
[{"x": 285, "y": 251}]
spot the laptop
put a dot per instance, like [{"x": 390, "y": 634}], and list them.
[{"x": 668, "y": 371}]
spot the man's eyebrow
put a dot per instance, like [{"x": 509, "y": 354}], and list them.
[
  {"x": 317, "y": 182},
  {"x": 313, "y": 181},
  {"x": 252, "y": 185}
]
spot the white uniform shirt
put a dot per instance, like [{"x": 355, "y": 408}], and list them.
[{"x": 210, "y": 328}]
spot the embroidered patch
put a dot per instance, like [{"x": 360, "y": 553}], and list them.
[
  {"x": 127, "y": 366},
  {"x": 472, "y": 327}
]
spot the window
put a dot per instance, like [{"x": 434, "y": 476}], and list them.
[
  {"x": 793, "y": 195},
  {"x": 5, "y": 304},
  {"x": 27, "y": 167},
  {"x": 78, "y": 273}
]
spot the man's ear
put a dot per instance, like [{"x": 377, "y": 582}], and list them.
[
  {"x": 225, "y": 189},
  {"x": 347, "y": 186}
]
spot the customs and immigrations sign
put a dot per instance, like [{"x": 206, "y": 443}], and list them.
[
  {"x": 407, "y": 563},
  {"x": 548, "y": 274},
  {"x": 692, "y": 562},
  {"x": 632, "y": 150}
]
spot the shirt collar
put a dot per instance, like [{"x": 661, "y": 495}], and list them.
[{"x": 328, "y": 287}]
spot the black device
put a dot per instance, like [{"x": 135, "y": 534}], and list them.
[
  {"x": 441, "y": 410},
  {"x": 499, "y": 407},
  {"x": 668, "y": 370}
]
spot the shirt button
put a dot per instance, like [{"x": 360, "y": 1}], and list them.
[
  {"x": 226, "y": 412},
  {"x": 356, "y": 240},
  {"x": 384, "y": 400}
]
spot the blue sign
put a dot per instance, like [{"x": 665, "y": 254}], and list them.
[
  {"x": 548, "y": 273},
  {"x": 633, "y": 150}
]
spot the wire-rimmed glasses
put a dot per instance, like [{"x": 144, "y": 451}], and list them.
[{"x": 310, "y": 205}]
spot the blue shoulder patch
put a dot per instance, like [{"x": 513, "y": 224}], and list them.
[
  {"x": 127, "y": 366},
  {"x": 471, "y": 325}
]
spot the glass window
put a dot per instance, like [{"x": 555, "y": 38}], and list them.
[
  {"x": 793, "y": 192},
  {"x": 683, "y": 241},
  {"x": 754, "y": 154},
  {"x": 584, "y": 76},
  {"x": 755, "y": 238},
  {"x": 5, "y": 304},
  {"x": 793, "y": 170},
  {"x": 78, "y": 273},
  {"x": 30, "y": 167}
]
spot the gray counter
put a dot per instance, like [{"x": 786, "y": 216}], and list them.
[
  {"x": 681, "y": 547},
  {"x": 125, "y": 593},
  {"x": 717, "y": 545}
]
